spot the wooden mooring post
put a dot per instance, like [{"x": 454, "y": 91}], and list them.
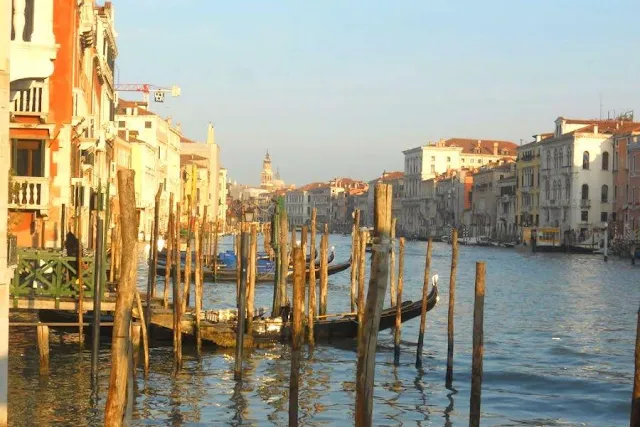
[
  {"x": 452, "y": 301},
  {"x": 362, "y": 264},
  {"x": 635, "y": 398},
  {"x": 144, "y": 333},
  {"x": 396, "y": 341},
  {"x": 215, "y": 252},
  {"x": 242, "y": 306},
  {"x": 284, "y": 259},
  {"x": 97, "y": 299},
  {"x": 177, "y": 312},
  {"x": 312, "y": 309},
  {"x": 114, "y": 410},
  {"x": 355, "y": 234},
  {"x": 392, "y": 266},
  {"x": 198, "y": 286},
  {"x": 152, "y": 279},
  {"x": 425, "y": 298},
  {"x": 169, "y": 255},
  {"x": 478, "y": 346},
  {"x": 324, "y": 270},
  {"x": 297, "y": 334},
  {"x": 80, "y": 272},
  {"x": 251, "y": 287},
  {"x": 375, "y": 299},
  {"x": 186, "y": 292},
  {"x": 43, "y": 348}
]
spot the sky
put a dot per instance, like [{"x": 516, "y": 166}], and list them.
[{"x": 340, "y": 87}]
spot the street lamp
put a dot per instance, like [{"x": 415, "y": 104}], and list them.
[{"x": 248, "y": 215}]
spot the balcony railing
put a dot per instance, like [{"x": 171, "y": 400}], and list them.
[
  {"x": 30, "y": 101},
  {"x": 585, "y": 203},
  {"x": 29, "y": 192}
]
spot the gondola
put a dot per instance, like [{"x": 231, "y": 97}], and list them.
[
  {"x": 230, "y": 275},
  {"x": 222, "y": 333}
]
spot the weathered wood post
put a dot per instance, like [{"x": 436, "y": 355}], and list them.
[
  {"x": 452, "y": 301},
  {"x": 242, "y": 300},
  {"x": 198, "y": 287},
  {"x": 177, "y": 312},
  {"x": 97, "y": 299},
  {"x": 215, "y": 252},
  {"x": 478, "y": 346},
  {"x": 114, "y": 251},
  {"x": 373, "y": 309},
  {"x": 284, "y": 258},
  {"x": 396, "y": 341},
  {"x": 145, "y": 334},
  {"x": 635, "y": 399},
  {"x": 312, "y": 309},
  {"x": 362, "y": 265},
  {"x": 114, "y": 410},
  {"x": 43, "y": 348},
  {"x": 152, "y": 279},
  {"x": 169, "y": 252},
  {"x": 425, "y": 298},
  {"x": 354, "y": 258},
  {"x": 253, "y": 271},
  {"x": 80, "y": 272},
  {"x": 324, "y": 270},
  {"x": 392, "y": 265},
  {"x": 186, "y": 292},
  {"x": 297, "y": 336}
]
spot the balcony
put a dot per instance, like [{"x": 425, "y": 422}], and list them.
[
  {"x": 29, "y": 192},
  {"x": 585, "y": 203},
  {"x": 30, "y": 99},
  {"x": 33, "y": 45}
]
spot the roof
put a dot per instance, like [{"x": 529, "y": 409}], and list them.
[
  {"x": 391, "y": 176},
  {"x": 469, "y": 145},
  {"x": 121, "y": 109},
  {"x": 187, "y": 140}
]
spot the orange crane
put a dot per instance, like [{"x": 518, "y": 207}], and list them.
[{"x": 146, "y": 89}]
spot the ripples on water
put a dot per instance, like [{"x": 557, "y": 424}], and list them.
[{"x": 559, "y": 342}]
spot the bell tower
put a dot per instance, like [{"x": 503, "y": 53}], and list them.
[{"x": 266, "y": 176}]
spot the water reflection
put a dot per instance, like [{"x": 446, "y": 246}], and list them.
[{"x": 564, "y": 325}]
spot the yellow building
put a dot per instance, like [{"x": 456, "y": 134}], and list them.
[
  {"x": 528, "y": 183},
  {"x": 195, "y": 182}
]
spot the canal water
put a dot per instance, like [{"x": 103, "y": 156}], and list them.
[{"x": 559, "y": 350}]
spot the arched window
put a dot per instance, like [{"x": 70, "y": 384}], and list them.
[
  {"x": 585, "y": 160},
  {"x": 561, "y": 159},
  {"x": 585, "y": 191},
  {"x": 569, "y": 157},
  {"x": 567, "y": 192},
  {"x": 605, "y": 161},
  {"x": 604, "y": 197},
  {"x": 546, "y": 189},
  {"x": 555, "y": 159},
  {"x": 548, "y": 159},
  {"x": 555, "y": 190}
]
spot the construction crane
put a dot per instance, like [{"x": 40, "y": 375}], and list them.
[{"x": 146, "y": 89}]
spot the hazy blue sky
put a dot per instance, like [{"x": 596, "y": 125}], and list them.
[{"x": 340, "y": 88}]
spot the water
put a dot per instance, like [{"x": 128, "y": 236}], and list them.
[{"x": 559, "y": 350}]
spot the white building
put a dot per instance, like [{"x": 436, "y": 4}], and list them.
[
  {"x": 297, "y": 204},
  {"x": 506, "y": 209},
  {"x": 222, "y": 196},
  {"x": 576, "y": 193},
  {"x": 424, "y": 163}
]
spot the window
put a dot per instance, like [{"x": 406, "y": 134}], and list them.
[
  {"x": 615, "y": 192},
  {"x": 546, "y": 189},
  {"x": 585, "y": 160},
  {"x": 605, "y": 161},
  {"x": 147, "y": 124},
  {"x": 604, "y": 198},
  {"x": 569, "y": 158},
  {"x": 548, "y": 159},
  {"x": 613, "y": 216},
  {"x": 561, "y": 157},
  {"x": 121, "y": 124},
  {"x": 448, "y": 159},
  {"x": 584, "y": 216},
  {"x": 27, "y": 157},
  {"x": 615, "y": 160},
  {"x": 585, "y": 192},
  {"x": 433, "y": 158},
  {"x": 603, "y": 216}
]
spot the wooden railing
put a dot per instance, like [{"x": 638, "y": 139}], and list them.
[{"x": 49, "y": 273}]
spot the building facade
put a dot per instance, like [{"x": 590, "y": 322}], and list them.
[{"x": 528, "y": 182}]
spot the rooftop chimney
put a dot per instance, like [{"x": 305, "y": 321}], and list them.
[
  {"x": 595, "y": 128},
  {"x": 495, "y": 148},
  {"x": 178, "y": 127},
  {"x": 538, "y": 137},
  {"x": 169, "y": 120}
]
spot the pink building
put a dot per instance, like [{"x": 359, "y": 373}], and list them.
[{"x": 626, "y": 180}]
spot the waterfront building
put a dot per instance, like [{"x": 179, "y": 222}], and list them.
[
  {"x": 209, "y": 151},
  {"x": 155, "y": 157},
  {"x": 577, "y": 178},
  {"x": 425, "y": 163},
  {"x": 5, "y": 163},
  {"x": 506, "y": 229},
  {"x": 298, "y": 206},
  {"x": 68, "y": 49},
  {"x": 626, "y": 181},
  {"x": 485, "y": 196},
  {"x": 528, "y": 182},
  {"x": 452, "y": 196}
]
